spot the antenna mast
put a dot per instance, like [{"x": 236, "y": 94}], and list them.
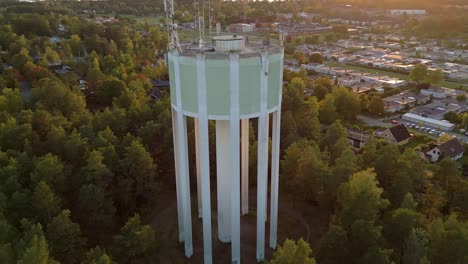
[
  {"x": 172, "y": 37},
  {"x": 209, "y": 17}
]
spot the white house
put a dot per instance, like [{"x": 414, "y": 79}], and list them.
[{"x": 451, "y": 148}]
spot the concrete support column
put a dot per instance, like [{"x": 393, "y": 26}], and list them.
[
  {"x": 267, "y": 127},
  {"x": 275, "y": 156},
  {"x": 197, "y": 161},
  {"x": 234, "y": 124},
  {"x": 262, "y": 165},
  {"x": 223, "y": 161},
  {"x": 275, "y": 160},
  {"x": 245, "y": 165},
  {"x": 182, "y": 163},
  {"x": 180, "y": 213},
  {"x": 204, "y": 160}
]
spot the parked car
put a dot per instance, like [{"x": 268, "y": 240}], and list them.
[{"x": 394, "y": 122}]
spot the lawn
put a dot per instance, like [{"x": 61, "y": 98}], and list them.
[
  {"x": 151, "y": 20},
  {"x": 417, "y": 140},
  {"x": 388, "y": 73}
]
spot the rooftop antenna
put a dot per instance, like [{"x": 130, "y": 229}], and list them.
[
  {"x": 209, "y": 17},
  {"x": 201, "y": 23},
  {"x": 196, "y": 6},
  {"x": 173, "y": 39},
  {"x": 281, "y": 36},
  {"x": 245, "y": 19},
  {"x": 202, "y": 19}
]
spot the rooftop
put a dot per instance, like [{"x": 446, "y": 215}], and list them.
[
  {"x": 451, "y": 148},
  {"x": 400, "y": 133},
  {"x": 430, "y": 120},
  {"x": 224, "y": 43}
]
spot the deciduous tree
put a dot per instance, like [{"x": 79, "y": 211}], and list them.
[
  {"x": 292, "y": 253},
  {"x": 419, "y": 73}
]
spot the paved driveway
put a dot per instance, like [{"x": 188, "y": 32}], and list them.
[{"x": 377, "y": 122}]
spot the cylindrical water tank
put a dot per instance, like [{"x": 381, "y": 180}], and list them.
[{"x": 217, "y": 76}]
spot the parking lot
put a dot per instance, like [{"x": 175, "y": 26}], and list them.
[{"x": 432, "y": 132}]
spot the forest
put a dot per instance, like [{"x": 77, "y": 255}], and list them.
[{"x": 85, "y": 153}]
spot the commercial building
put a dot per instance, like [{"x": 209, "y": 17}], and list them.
[{"x": 430, "y": 122}]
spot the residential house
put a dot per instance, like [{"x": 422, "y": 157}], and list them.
[
  {"x": 403, "y": 100},
  {"x": 397, "y": 135},
  {"x": 452, "y": 148},
  {"x": 155, "y": 95},
  {"x": 438, "y": 92},
  {"x": 357, "y": 138},
  {"x": 160, "y": 83},
  {"x": 83, "y": 85},
  {"x": 438, "y": 109}
]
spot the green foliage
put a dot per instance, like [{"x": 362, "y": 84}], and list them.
[
  {"x": 37, "y": 253},
  {"x": 100, "y": 162},
  {"x": 293, "y": 253},
  {"x": 53, "y": 96},
  {"x": 335, "y": 140},
  {"x": 303, "y": 168},
  {"x": 347, "y": 103},
  {"x": 11, "y": 101},
  {"x": 399, "y": 224},
  {"x": 135, "y": 242},
  {"x": 110, "y": 89},
  {"x": 333, "y": 247},
  {"x": 97, "y": 256},
  {"x": 416, "y": 248},
  {"x": 344, "y": 167},
  {"x": 360, "y": 198},
  {"x": 64, "y": 236},
  {"x": 435, "y": 77},
  {"x": 95, "y": 211},
  {"x": 45, "y": 203},
  {"x": 49, "y": 169},
  {"x": 448, "y": 240},
  {"x": 419, "y": 73},
  {"x": 376, "y": 105},
  {"x": 76, "y": 45},
  {"x": 315, "y": 57},
  {"x": 327, "y": 112}
]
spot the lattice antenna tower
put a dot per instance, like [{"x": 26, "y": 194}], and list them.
[
  {"x": 173, "y": 39},
  {"x": 209, "y": 17},
  {"x": 245, "y": 18},
  {"x": 199, "y": 20}
]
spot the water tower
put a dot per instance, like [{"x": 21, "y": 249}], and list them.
[{"x": 230, "y": 80}]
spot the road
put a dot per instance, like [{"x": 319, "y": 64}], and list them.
[{"x": 377, "y": 122}]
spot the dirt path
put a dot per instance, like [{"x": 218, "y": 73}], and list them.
[{"x": 292, "y": 223}]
